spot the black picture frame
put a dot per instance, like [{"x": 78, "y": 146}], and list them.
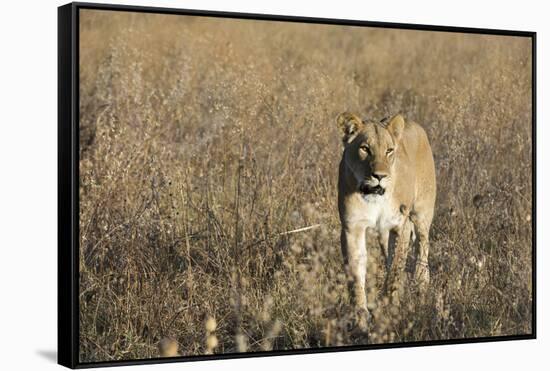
[{"x": 68, "y": 179}]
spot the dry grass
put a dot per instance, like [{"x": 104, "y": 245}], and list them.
[{"x": 204, "y": 140}]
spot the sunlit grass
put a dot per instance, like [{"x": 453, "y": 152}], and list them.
[{"x": 205, "y": 141}]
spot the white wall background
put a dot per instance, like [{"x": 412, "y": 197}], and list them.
[{"x": 28, "y": 181}]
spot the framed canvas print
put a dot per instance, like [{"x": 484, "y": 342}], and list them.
[{"x": 236, "y": 185}]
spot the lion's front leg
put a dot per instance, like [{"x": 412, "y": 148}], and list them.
[
  {"x": 354, "y": 250},
  {"x": 422, "y": 272},
  {"x": 402, "y": 241},
  {"x": 384, "y": 241}
]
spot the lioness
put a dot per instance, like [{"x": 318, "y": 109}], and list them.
[{"x": 386, "y": 186}]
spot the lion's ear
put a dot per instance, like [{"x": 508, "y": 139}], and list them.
[
  {"x": 348, "y": 126},
  {"x": 395, "y": 126}
]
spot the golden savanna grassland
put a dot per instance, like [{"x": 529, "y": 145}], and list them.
[{"x": 205, "y": 143}]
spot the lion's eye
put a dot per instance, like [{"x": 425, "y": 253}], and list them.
[
  {"x": 389, "y": 152},
  {"x": 364, "y": 148}
]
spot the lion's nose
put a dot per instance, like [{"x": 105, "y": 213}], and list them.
[{"x": 379, "y": 176}]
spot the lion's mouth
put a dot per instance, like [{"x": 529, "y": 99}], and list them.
[{"x": 368, "y": 190}]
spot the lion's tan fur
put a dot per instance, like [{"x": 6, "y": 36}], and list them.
[{"x": 394, "y": 155}]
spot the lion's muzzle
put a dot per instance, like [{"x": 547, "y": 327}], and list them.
[{"x": 367, "y": 189}]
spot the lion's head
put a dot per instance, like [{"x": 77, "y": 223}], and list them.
[{"x": 370, "y": 150}]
